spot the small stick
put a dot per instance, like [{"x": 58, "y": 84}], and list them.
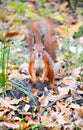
[{"x": 53, "y": 102}]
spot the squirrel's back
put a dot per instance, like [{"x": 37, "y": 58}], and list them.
[{"x": 42, "y": 31}]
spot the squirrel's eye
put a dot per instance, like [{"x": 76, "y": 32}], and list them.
[
  {"x": 43, "y": 48},
  {"x": 33, "y": 49}
]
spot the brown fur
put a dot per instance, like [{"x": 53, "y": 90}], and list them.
[
  {"x": 42, "y": 48},
  {"x": 42, "y": 31},
  {"x": 47, "y": 69}
]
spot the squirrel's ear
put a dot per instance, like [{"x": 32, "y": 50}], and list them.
[
  {"x": 33, "y": 39},
  {"x": 42, "y": 38}
]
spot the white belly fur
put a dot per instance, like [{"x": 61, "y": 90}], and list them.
[{"x": 39, "y": 64}]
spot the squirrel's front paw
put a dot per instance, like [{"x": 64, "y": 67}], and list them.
[
  {"x": 42, "y": 80},
  {"x": 33, "y": 80}
]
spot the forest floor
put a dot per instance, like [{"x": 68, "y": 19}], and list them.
[{"x": 24, "y": 106}]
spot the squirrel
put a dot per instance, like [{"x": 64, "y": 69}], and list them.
[{"x": 42, "y": 47}]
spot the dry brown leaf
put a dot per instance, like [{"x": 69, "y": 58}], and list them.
[
  {"x": 68, "y": 80},
  {"x": 76, "y": 72},
  {"x": 12, "y": 33},
  {"x": 81, "y": 40},
  {"x": 35, "y": 92},
  {"x": 16, "y": 75},
  {"x": 15, "y": 101},
  {"x": 79, "y": 123},
  {"x": 2, "y": 113},
  {"x": 9, "y": 16},
  {"x": 6, "y": 104},
  {"x": 56, "y": 127},
  {"x": 80, "y": 111},
  {"x": 69, "y": 29},
  {"x": 62, "y": 30},
  {"x": 1, "y": 36},
  {"x": 64, "y": 6},
  {"x": 75, "y": 106},
  {"x": 60, "y": 119},
  {"x": 75, "y": 28},
  {"x": 31, "y": 6},
  {"x": 80, "y": 91},
  {"x": 15, "y": 118},
  {"x": 64, "y": 109},
  {"x": 51, "y": 97},
  {"x": 44, "y": 101},
  {"x": 11, "y": 125},
  {"x": 64, "y": 90},
  {"x": 24, "y": 68},
  {"x": 50, "y": 119},
  {"x": 2, "y": 126},
  {"x": 58, "y": 67}
]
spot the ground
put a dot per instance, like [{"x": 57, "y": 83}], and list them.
[{"x": 26, "y": 106}]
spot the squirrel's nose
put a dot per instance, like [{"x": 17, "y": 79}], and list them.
[{"x": 39, "y": 55}]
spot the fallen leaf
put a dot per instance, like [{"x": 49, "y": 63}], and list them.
[
  {"x": 2, "y": 113},
  {"x": 64, "y": 6},
  {"x": 80, "y": 111},
  {"x": 60, "y": 119},
  {"x": 6, "y": 104},
  {"x": 76, "y": 72},
  {"x": 58, "y": 67},
  {"x": 79, "y": 123},
  {"x": 64, "y": 109},
  {"x": 12, "y": 33},
  {"x": 44, "y": 101},
  {"x": 68, "y": 80},
  {"x": 75, "y": 106},
  {"x": 69, "y": 29},
  {"x": 26, "y": 107},
  {"x": 24, "y": 68},
  {"x": 11, "y": 125},
  {"x": 35, "y": 92},
  {"x": 81, "y": 40},
  {"x": 16, "y": 75},
  {"x": 15, "y": 101},
  {"x": 26, "y": 99}
]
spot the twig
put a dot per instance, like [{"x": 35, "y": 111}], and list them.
[{"x": 53, "y": 102}]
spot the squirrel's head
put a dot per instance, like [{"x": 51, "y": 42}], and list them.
[{"x": 38, "y": 50}]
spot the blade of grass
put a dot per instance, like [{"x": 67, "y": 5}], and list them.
[
  {"x": 21, "y": 86},
  {"x": 5, "y": 55}
]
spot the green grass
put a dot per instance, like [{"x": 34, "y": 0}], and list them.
[
  {"x": 79, "y": 34},
  {"x": 22, "y": 87},
  {"x": 74, "y": 60},
  {"x": 43, "y": 1},
  {"x": 5, "y": 56}
]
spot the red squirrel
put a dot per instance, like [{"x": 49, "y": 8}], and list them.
[{"x": 42, "y": 51}]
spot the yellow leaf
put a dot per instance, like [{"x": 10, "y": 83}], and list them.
[
  {"x": 26, "y": 99},
  {"x": 63, "y": 6},
  {"x": 75, "y": 28},
  {"x": 60, "y": 18},
  {"x": 1, "y": 36},
  {"x": 62, "y": 30},
  {"x": 69, "y": 29}
]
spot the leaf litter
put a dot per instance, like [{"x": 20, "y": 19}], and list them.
[{"x": 28, "y": 106}]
